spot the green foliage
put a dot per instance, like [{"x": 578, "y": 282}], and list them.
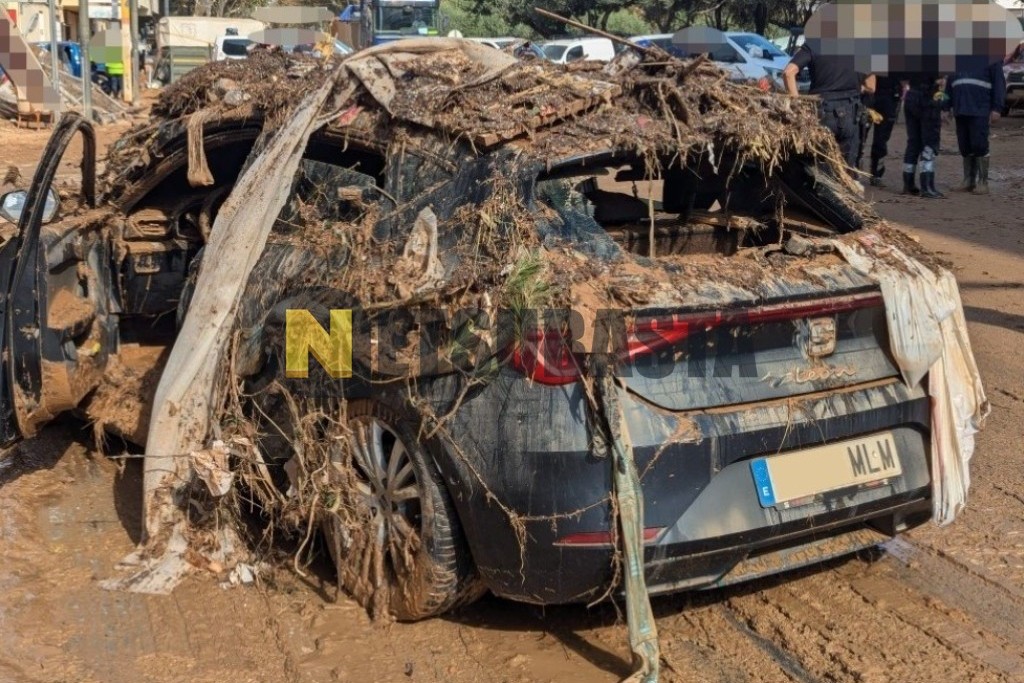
[
  {"x": 494, "y": 18},
  {"x": 629, "y": 22},
  {"x": 527, "y": 287},
  {"x": 464, "y": 16}
]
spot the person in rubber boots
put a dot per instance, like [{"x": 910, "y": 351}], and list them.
[
  {"x": 885, "y": 104},
  {"x": 922, "y": 109},
  {"x": 977, "y": 93}
]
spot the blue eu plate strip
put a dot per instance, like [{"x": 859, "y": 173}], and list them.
[{"x": 763, "y": 482}]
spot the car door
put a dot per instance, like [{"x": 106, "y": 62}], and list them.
[
  {"x": 56, "y": 327},
  {"x": 726, "y": 56}
]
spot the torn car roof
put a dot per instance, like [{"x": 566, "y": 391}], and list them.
[{"x": 469, "y": 91}]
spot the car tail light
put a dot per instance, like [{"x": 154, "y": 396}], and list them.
[
  {"x": 546, "y": 357},
  {"x": 604, "y": 538},
  {"x": 764, "y": 84},
  {"x": 653, "y": 334}
]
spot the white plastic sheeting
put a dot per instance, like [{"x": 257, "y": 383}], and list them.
[
  {"x": 928, "y": 336},
  {"x": 186, "y": 395}
]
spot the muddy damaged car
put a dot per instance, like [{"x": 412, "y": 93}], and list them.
[{"x": 548, "y": 278}]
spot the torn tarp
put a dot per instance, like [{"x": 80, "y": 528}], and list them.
[
  {"x": 928, "y": 337},
  {"x": 182, "y": 408}
]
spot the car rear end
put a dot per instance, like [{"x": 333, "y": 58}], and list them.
[
  {"x": 802, "y": 442},
  {"x": 1014, "y": 74},
  {"x": 770, "y": 433}
]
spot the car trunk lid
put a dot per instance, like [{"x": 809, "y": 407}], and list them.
[{"x": 694, "y": 360}]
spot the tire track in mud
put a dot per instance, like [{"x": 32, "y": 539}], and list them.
[
  {"x": 997, "y": 605},
  {"x": 851, "y": 623},
  {"x": 786, "y": 662},
  {"x": 948, "y": 625},
  {"x": 708, "y": 643},
  {"x": 812, "y": 634}
]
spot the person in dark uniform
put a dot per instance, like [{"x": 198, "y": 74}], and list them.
[
  {"x": 885, "y": 101},
  {"x": 867, "y": 122},
  {"x": 840, "y": 88},
  {"x": 922, "y": 108},
  {"x": 977, "y": 93}
]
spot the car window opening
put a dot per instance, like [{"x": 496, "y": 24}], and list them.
[
  {"x": 688, "y": 209},
  {"x": 167, "y": 228}
]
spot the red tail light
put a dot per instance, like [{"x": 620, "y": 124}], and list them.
[
  {"x": 546, "y": 356},
  {"x": 653, "y": 334},
  {"x": 604, "y": 538}
]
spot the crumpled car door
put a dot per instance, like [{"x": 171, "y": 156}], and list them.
[{"x": 54, "y": 281}]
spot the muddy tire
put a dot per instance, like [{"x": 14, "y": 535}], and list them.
[{"x": 395, "y": 540}]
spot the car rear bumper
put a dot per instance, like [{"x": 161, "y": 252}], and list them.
[
  {"x": 1015, "y": 93},
  {"x": 771, "y": 548},
  {"x": 527, "y": 476}
]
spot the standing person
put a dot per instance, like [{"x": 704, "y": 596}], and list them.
[
  {"x": 115, "y": 70},
  {"x": 886, "y": 102},
  {"x": 976, "y": 95},
  {"x": 868, "y": 117},
  {"x": 840, "y": 88},
  {"x": 922, "y": 109},
  {"x": 145, "y": 68}
]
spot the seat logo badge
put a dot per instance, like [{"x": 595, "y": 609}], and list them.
[{"x": 821, "y": 338}]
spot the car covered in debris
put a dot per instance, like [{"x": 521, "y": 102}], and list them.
[{"x": 549, "y": 274}]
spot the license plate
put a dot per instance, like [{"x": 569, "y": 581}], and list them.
[{"x": 782, "y": 479}]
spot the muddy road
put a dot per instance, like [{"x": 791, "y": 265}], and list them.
[{"x": 936, "y": 605}]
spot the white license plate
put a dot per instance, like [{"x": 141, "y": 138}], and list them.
[{"x": 782, "y": 479}]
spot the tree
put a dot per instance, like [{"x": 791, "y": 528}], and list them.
[
  {"x": 789, "y": 13},
  {"x": 595, "y": 13}
]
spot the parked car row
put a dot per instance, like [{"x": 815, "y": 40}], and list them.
[
  {"x": 238, "y": 47},
  {"x": 745, "y": 56}
]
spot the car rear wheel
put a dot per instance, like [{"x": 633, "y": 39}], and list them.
[{"x": 393, "y": 534}]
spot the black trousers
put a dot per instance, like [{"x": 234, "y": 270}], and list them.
[
  {"x": 842, "y": 117},
  {"x": 972, "y": 135},
  {"x": 888, "y": 107},
  {"x": 924, "y": 130}
]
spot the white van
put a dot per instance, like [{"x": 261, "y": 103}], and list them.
[
  {"x": 231, "y": 47},
  {"x": 724, "y": 56},
  {"x": 745, "y": 56},
  {"x": 575, "y": 49}
]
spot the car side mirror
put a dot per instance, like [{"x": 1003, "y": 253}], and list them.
[{"x": 12, "y": 205}]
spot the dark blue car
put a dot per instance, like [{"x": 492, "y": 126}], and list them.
[{"x": 470, "y": 450}]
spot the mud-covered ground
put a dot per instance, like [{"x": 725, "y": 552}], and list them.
[{"x": 936, "y": 605}]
